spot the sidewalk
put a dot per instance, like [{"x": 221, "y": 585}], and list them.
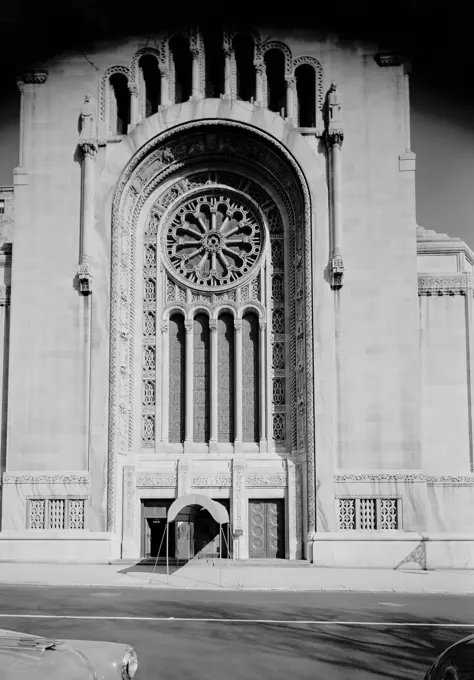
[{"x": 206, "y": 575}]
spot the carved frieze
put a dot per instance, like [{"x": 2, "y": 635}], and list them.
[
  {"x": 157, "y": 479},
  {"x": 40, "y": 478},
  {"x": 212, "y": 479},
  {"x": 403, "y": 477},
  {"x": 443, "y": 284},
  {"x": 266, "y": 479}
]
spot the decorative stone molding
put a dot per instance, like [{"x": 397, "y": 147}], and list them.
[
  {"x": 129, "y": 499},
  {"x": 37, "y": 76},
  {"x": 443, "y": 284},
  {"x": 336, "y": 270},
  {"x": 5, "y": 294},
  {"x": 212, "y": 479},
  {"x": 238, "y": 487},
  {"x": 266, "y": 479},
  {"x": 89, "y": 147},
  {"x": 157, "y": 479},
  {"x": 278, "y": 45},
  {"x": 404, "y": 477},
  {"x": 299, "y": 61},
  {"x": 385, "y": 59},
  {"x": 39, "y": 478}
]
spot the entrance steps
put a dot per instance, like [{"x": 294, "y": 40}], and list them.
[{"x": 217, "y": 562}]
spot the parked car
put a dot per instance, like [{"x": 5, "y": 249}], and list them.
[
  {"x": 31, "y": 657},
  {"x": 455, "y": 663}
]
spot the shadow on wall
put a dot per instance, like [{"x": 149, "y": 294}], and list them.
[{"x": 417, "y": 557}]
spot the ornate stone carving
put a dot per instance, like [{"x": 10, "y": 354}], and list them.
[
  {"x": 212, "y": 479},
  {"x": 40, "y": 478},
  {"x": 403, "y": 477},
  {"x": 157, "y": 479},
  {"x": 85, "y": 278},
  {"x": 299, "y": 61},
  {"x": 5, "y": 294},
  {"x": 463, "y": 480},
  {"x": 266, "y": 479},
  {"x": 37, "y": 76},
  {"x": 260, "y": 153},
  {"x": 88, "y": 118},
  {"x": 238, "y": 482},
  {"x": 277, "y": 45},
  {"x": 213, "y": 238},
  {"x": 336, "y": 269},
  {"x": 443, "y": 284},
  {"x": 385, "y": 59},
  {"x": 104, "y": 85}
]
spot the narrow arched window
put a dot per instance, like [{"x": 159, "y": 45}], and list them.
[
  {"x": 183, "y": 68},
  {"x": 225, "y": 378},
  {"x": 306, "y": 94},
  {"x": 276, "y": 84},
  {"x": 150, "y": 85},
  {"x": 119, "y": 104},
  {"x": 201, "y": 371},
  {"x": 177, "y": 339},
  {"x": 250, "y": 378},
  {"x": 244, "y": 58},
  {"x": 215, "y": 63}
]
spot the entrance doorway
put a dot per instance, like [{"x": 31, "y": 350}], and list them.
[
  {"x": 154, "y": 514},
  {"x": 267, "y": 528},
  {"x": 206, "y": 541}
]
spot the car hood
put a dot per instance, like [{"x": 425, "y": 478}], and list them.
[{"x": 23, "y": 657}]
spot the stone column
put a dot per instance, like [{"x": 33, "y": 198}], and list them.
[
  {"x": 260, "y": 75},
  {"x": 164, "y": 86},
  {"x": 263, "y": 386},
  {"x": 21, "y": 88},
  {"x": 406, "y": 82},
  {"x": 28, "y": 86},
  {"x": 469, "y": 302},
  {"x": 183, "y": 529},
  {"x": 292, "y": 509},
  {"x": 135, "y": 113},
  {"x": 238, "y": 515},
  {"x": 238, "y": 385},
  {"x": 213, "y": 443},
  {"x": 196, "y": 88},
  {"x": 334, "y": 138},
  {"x": 129, "y": 544},
  {"x": 89, "y": 153},
  {"x": 228, "y": 73},
  {"x": 165, "y": 371},
  {"x": 290, "y": 96},
  {"x": 4, "y": 363},
  {"x": 188, "y": 434}
]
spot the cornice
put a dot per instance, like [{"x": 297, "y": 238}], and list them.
[
  {"x": 36, "y": 76},
  {"x": 444, "y": 284},
  {"x": 45, "y": 478}
]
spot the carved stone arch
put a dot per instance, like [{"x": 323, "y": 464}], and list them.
[
  {"x": 257, "y": 53},
  {"x": 189, "y": 35},
  {"x": 144, "y": 51},
  {"x": 253, "y": 307},
  {"x": 299, "y": 61},
  {"x": 224, "y": 308},
  {"x": 199, "y": 308},
  {"x": 170, "y": 309},
  {"x": 283, "y": 47},
  {"x": 148, "y": 163},
  {"x": 104, "y": 88}
]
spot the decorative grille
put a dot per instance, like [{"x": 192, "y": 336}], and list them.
[
  {"x": 364, "y": 514},
  {"x": 57, "y": 513},
  {"x": 149, "y": 335}
]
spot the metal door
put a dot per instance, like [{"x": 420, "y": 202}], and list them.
[{"x": 267, "y": 528}]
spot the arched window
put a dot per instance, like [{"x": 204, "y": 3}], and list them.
[
  {"x": 225, "y": 377},
  {"x": 215, "y": 63},
  {"x": 177, "y": 339},
  {"x": 201, "y": 371},
  {"x": 183, "y": 68},
  {"x": 119, "y": 104},
  {"x": 150, "y": 90},
  {"x": 250, "y": 378},
  {"x": 244, "y": 58},
  {"x": 276, "y": 84},
  {"x": 306, "y": 94}
]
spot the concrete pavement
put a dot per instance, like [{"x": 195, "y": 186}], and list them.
[{"x": 235, "y": 576}]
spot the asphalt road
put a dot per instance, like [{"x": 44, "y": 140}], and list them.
[{"x": 247, "y": 634}]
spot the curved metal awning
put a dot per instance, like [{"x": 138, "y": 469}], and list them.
[{"x": 184, "y": 505}]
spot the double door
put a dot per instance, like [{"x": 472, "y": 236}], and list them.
[{"x": 267, "y": 528}]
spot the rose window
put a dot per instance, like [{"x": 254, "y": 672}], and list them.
[{"x": 214, "y": 238}]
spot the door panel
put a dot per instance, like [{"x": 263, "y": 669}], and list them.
[{"x": 267, "y": 528}]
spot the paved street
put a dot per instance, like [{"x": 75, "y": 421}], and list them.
[{"x": 246, "y": 635}]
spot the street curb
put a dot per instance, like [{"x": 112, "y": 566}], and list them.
[{"x": 166, "y": 586}]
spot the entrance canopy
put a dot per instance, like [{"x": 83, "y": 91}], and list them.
[{"x": 182, "y": 508}]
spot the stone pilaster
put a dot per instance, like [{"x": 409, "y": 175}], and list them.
[
  {"x": 129, "y": 524},
  {"x": 292, "y": 509},
  {"x": 89, "y": 152},
  {"x": 239, "y": 529}
]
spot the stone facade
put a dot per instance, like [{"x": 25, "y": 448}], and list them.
[{"x": 219, "y": 287}]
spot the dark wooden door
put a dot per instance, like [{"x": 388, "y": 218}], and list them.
[
  {"x": 154, "y": 515},
  {"x": 267, "y": 528}
]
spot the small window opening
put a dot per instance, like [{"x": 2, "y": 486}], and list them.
[
  {"x": 121, "y": 95},
  {"x": 152, "y": 84},
  {"x": 276, "y": 84},
  {"x": 215, "y": 63},
  {"x": 244, "y": 58},
  {"x": 183, "y": 68},
  {"x": 306, "y": 94},
  {"x": 2, "y": 206}
]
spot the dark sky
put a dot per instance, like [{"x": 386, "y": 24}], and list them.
[{"x": 437, "y": 36}]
